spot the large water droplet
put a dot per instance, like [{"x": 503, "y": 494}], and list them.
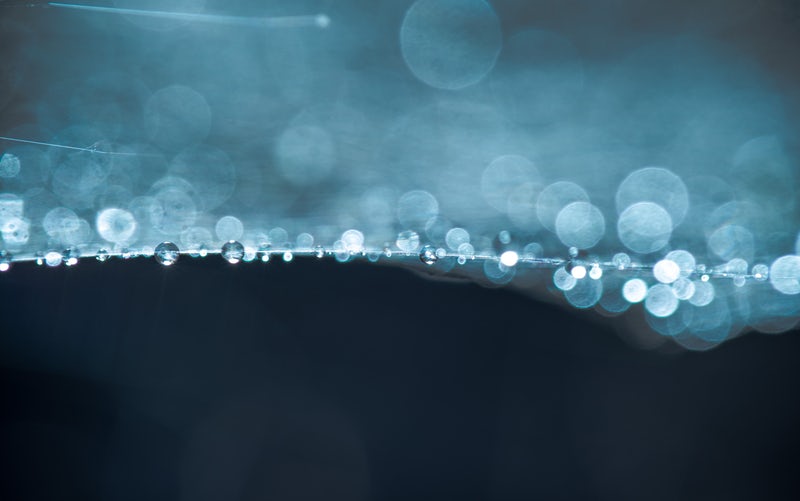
[
  {"x": 167, "y": 253},
  {"x": 428, "y": 255},
  {"x": 232, "y": 251}
]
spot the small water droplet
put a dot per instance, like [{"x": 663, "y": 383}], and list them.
[
  {"x": 71, "y": 256},
  {"x": 319, "y": 251},
  {"x": 761, "y": 272},
  {"x": 573, "y": 252},
  {"x": 705, "y": 278},
  {"x": 596, "y": 272},
  {"x": 462, "y": 259},
  {"x": 621, "y": 261},
  {"x": 387, "y": 251},
  {"x": 39, "y": 258},
  {"x": 232, "y": 251},
  {"x": 5, "y": 260},
  {"x": 102, "y": 255},
  {"x": 288, "y": 256},
  {"x": 52, "y": 258},
  {"x": 428, "y": 255},
  {"x": 504, "y": 237},
  {"x": 264, "y": 252},
  {"x": 250, "y": 254},
  {"x": 167, "y": 253},
  {"x": 373, "y": 256},
  {"x": 125, "y": 253},
  {"x": 739, "y": 280},
  {"x": 202, "y": 251}
]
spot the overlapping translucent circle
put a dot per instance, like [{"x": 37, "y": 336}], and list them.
[
  {"x": 661, "y": 301},
  {"x": 784, "y": 274},
  {"x": 644, "y": 227},
  {"x": 116, "y": 225},
  {"x": 658, "y": 186},
  {"x": 450, "y": 44},
  {"x": 581, "y": 225},
  {"x": 554, "y": 198}
]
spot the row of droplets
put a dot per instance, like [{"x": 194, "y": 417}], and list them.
[{"x": 668, "y": 270}]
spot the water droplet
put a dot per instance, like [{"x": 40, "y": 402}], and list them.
[
  {"x": 428, "y": 255},
  {"x": 71, "y": 256},
  {"x": 102, "y": 255},
  {"x": 504, "y": 237},
  {"x": 761, "y": 272},
  {"x": 288, "y": 256},
  {"x": 739, "y": 280},
  {"x": 232, "y": 251},
  {"x": 5, "y": 260},
  {"x": 387, "y": 251},
  {"x": 319, "y": 251},
  {"x": 596, "y": 272},
  {"x": 441, "y": 253},
  {"x": 125, "y": 253},
  {"x": 53, "y": 258},
  {"x": 462, "y": 259},
  {"x": 573, "y": 252},
  {"x": 705, "y": 278},
  {"x": 39, "y": 258},
  {"x": 373, "y": 256},
  {"x": 202, "y": 251},
  {"x": 167, "y": 253}
]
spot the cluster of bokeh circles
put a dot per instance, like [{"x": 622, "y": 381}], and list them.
[{"x": 458, "y": 136}]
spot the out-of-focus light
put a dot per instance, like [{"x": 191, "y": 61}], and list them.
[{"x": 509, "y": 258}]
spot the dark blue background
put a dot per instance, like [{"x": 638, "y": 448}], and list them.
[{"x": 320, "y": 380}]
